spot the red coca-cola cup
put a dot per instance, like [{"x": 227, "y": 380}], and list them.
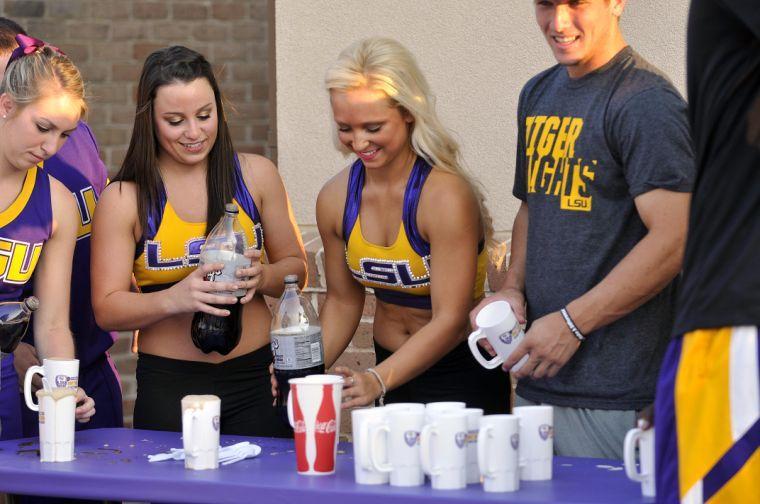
[{"x": 314, "y": 414}]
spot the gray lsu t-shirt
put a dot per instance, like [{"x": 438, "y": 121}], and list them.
[{"x": 586, "y": 148}]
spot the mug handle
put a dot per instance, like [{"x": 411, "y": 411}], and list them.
[
  {"x": 425, "y": 436},
  {"x": 188, "y": 427},
  {"x": 28, "y": 386},
  {"x": 632, "y": 438},
  {"x": 483, "y": 434},
  {"x": 472, "y": 340},
  {"x": 375, "y": 431}
]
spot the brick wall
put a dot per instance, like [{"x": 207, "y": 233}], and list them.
[{"x": 109, "y": 40}]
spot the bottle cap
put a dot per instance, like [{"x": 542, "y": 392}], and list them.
[
  {"x": 291, "y": 279},
  {"x": 231, "y": 208},
  {"x": 32, "y": 303}
]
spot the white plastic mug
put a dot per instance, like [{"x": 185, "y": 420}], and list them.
[
  {"x": 644, "y": 439},
  {"x": 59, "y": 373},
  {"x": 56, "y": 419},
  {"x": 498, "y": 452},
  {"x": 443, "y": 450},
  {"x": 536, "y": 442},
  {"x": 433, "y": 408},
  {"x": 362, "y": 420},
  {"x": 496, "y": 323},
  {"x": 473, "y": 425},
  {"x": 397, "y": 438},
  {"x": 200, "y": 431}
]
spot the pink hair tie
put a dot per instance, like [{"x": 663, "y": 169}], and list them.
[{"x": 28, "y": 45}]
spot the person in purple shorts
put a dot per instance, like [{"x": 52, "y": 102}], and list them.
[
  {"x": 78, "y": 166},
  {"x": 41, "y": 102}
]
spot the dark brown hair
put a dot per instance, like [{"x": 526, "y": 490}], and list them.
[
  {"x": 8, "y": 31},
  {"x": 176, "y": 64}
]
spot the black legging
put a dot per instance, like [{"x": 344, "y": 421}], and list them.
[
  {"x": 456, "y": 377},
  {"x": 242, "y": 384}
]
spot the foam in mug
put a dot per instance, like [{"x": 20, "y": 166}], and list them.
[{"x": 56, "y": 418}]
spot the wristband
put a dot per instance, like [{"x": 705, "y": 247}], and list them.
[
  {"x": 573, "y": 328},
  {"x": 380, "y": 399}
]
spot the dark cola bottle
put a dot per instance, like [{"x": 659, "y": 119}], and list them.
[
  {"x": 225, "y": 244},
  {"x": 14, "y": 320},
  {"x": 296, "y": 340}
]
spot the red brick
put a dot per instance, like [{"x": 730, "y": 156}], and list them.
[
  {"x": 94, "y": 72},
  {"x": 122, "y": 115},
  {"x": 250, "y": 111},
  {"x": 252, "y": 148},
  {"x": 171, "y": 31},
  {"x": 235, "y": 92},
  {"x": 112, "y": 51},
  {"x": 260, "y": 132},
  {"x": 79, "y": 53},
  {"x": 259, "y": 10},
  {"x": 25, "y": 8},
  {"x": 250, "y": 31},
  {"x": 189, "y": 10},
  {"x": 129, "y": 30},
  {"x": 228, "y": 52},
  {"x": 108, "y": 93},
  {"x": 126, "y": 72},
  {"x": 259, "y": 91},
  {"x": 239, "y": 134},
  {"x": 211, "y": 33},
  {"x": 256, "y": 72},
  {"x": 143, "y": 49},
  {"x": 111, "y": 136},
  {"x": 150, "y": 10},
  {"x": 89, "y": 31},
  {"x": 68, "y": 9},
  {"x": 363, "y": 336},
  {"x": 47, "y": 29},
  {"x": 110, "y": 10},
  {"x": 228, "y": 11}
]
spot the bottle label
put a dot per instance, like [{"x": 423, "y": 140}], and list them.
[
  {"x": 297, "y": 351},
  {"x": 232, "y": 262}
]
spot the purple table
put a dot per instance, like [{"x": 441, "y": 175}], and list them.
[{"x": 112, "y": 464}]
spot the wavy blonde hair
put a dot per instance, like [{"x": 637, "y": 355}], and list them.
[
  {"x": 384, "y": 64},
  {"x": 43, "y": 72}
]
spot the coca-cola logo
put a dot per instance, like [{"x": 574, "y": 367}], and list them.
[
  {"x": 545, "y": 431},
  {"x": 325, "y": 427},
  {"x": 515, "y": 441},
  {"x": 215, "y": 422},
  {"x": 299, "y": 427},
  {"x": 411, "y": 438},
  {"x": 460, "y": 438}
]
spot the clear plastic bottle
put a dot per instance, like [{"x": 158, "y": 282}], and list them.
[
  {"x": 14, "y": 320},
  {"x": 225, "y": 244},
  {"x": 296, "y": 339}
]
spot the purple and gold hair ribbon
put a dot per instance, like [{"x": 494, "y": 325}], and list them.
[{"x": 28, "y": 45}]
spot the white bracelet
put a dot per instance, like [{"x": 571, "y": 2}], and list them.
[
  {"x": 573, "y": 328},
  {"x": 380, "y": 399}
]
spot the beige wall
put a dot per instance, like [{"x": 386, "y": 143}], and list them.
[{"x": 476, "y": 54}]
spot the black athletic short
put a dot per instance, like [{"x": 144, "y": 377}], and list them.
[
  {"x": 456, "y": 377},
  {"x": 242, "y": 384}
]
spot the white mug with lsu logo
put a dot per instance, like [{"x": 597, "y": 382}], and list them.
[
  {"x": 200, "y": 431},
  {"x": 59, "y": 373},
  {"x": 397, "y": 438},
  {"x": 497, "y": 323},
  {"x": 498, "y": 452},
  {"x": 443, "y": 450},
  {"x": 536, "y": 442},
  {"x": 644, "y": 439}
]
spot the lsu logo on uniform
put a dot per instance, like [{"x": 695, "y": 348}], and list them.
[
  {"x": 18, "y": 260},
  {"x": 191, "y": 257},
  {"x": 391, "y": 273},
  {"x": 86, "y": 201}
]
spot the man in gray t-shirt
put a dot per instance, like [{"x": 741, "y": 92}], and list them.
[{"x": 604, "y": 170}]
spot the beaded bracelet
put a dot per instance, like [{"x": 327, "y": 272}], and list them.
[
  {"x": 380, "y": 399},
  {"x": 573, "y": 328}
]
